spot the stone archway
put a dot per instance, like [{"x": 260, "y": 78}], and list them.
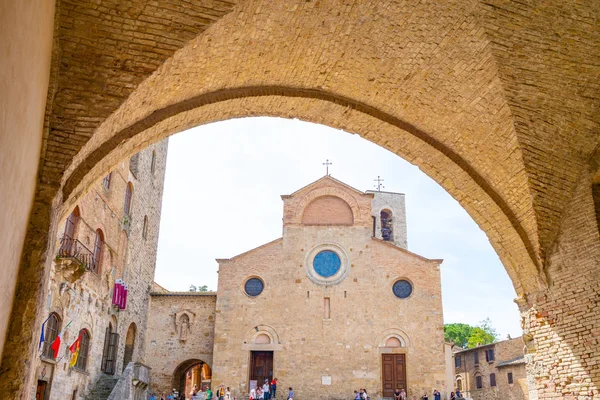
[
  {"x": 192, "y": 373},
  {"x": 508, "y": 137},
  {"x": 129, "y": 345}
]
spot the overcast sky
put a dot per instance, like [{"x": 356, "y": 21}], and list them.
[{"x": 222, "y": 198}]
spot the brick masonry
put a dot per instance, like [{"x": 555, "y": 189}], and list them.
[
  {"x": 496, "y": 100},
  {"x": 344, "y": 339}
]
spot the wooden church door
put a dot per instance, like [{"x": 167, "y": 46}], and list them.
[
  {"x": 393, "y": 373},
  {"x": 261, "y": 366}
]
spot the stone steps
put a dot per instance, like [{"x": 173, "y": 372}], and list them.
[{"x": 103, "y": 387}]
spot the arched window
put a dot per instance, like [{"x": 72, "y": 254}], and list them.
[
  {"x": 84, "y": 347},
  {"x": 98, "y": 246},
  {"x": 128, "y": 198},
  {"x": 262, "y": 339},
  {"x": 153, "y": 162},
  {"x": 386, "y": 225},
  {"x": 393, "y": 342},
  {"x": 145, "y": 228},
  {"x": 479, "y": 382},
  {"x": 106, "y": 181},
  {"x": 67, "y": 245},
  {"x": 52, "y": 329},
  {"x": 109, "y": 354},
  {"x": 459, "y": 385}
]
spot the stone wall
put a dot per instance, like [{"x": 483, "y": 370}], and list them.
[
  {"x": 561, "y": 325},
  {"x": 338, "y": 330},
  {"x": 508, "y": 357},
  {"x": 85, "y": 301},
  {"x": 167, "y": 347},
  {"x": 25, "y": 49}
]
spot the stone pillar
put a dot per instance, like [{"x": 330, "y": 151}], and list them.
[{"x": 561, "y": 325}]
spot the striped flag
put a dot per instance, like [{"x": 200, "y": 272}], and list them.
[
  {"x": 56, "y": 344},
  {"x": 42, "y": 337},
  {"x": 75, "y": 350}
]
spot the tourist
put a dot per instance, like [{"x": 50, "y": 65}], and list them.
[
  {"x": 260, "y": 395},
  {"x": 163, "y": 396},
  {"x": 403, "y": 394},
  {"x": 266, "y": 389},
  {"x": 273, "y": 387},
  {"x": 436, "y": 395},
  {"x": 221, "y": 392},
  {"x": 356, "y": 395},
  {"x": 425, "y": 396},
  {"x": 209, "y": 393},
  {"x": 290, "y": 394},
  {"x": 458, "y": 394},
  {"x": 365, "y": 394},
  {"x": 397, "y": 394},
  {"x": 227, "y": 394},
  {"x": 152, "y": 396},
  {"x": 452, "y": 396},
  {"x": 252, "y": 393}
]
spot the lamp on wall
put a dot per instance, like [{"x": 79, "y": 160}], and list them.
[{"x": 256, "y": 328}]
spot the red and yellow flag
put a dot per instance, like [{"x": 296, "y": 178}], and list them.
[{"x": 75, "y": 350}]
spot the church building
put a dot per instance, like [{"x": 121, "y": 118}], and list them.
[{"x": 336, "y": 304}]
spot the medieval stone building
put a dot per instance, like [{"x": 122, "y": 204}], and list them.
[
  {"x": 495, "y": 371},
  {"x": 337, "y": 303},
  {"x": 100, "y": 281}
]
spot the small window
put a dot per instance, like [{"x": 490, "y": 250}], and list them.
[
  {"x": 476, "y": 358},
  {"x": 128, "y": 198},
  {"x": 492, "y": 379},
  {"x": 489, "y": 355},
  {"x": 134, "y": 162},
  {"x": 457, "y": 362},
  {"x": 153, "y": 163},
  {"x": 84, "y": 346},
  {"x": 145, "y": 228},
  {"x": 510, "y": 378},
  {"x": 52, "y": 328},
  {"x": 327, "y": 308},
  {"x": 479, "y": 382},
  {"x": 106, "y": 181},
  {"x": 596, "y": 198},
  {"x": 98, "y": 247}
]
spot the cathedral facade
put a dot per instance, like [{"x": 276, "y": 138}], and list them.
[{"x": 336, "y": 304}]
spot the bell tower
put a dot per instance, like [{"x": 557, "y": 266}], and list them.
[{"x": 389, "y": 217}]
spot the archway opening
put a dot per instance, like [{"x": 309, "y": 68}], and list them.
[
  {"x": 191, "y": 376},
  {"x": 129, "y": 345}
]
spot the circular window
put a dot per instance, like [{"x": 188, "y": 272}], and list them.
[
  {"x": 327, "y": 263},
  {"x": 254, "y": 287},
  {"x": 402, "y": 289}
]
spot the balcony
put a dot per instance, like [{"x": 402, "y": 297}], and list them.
[{"x": 73, "y": 259}]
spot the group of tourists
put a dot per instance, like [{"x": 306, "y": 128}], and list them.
[
  {"x": 265, "y": 392},
  {"x": 400, "y": 394},
  {"x": 361, "y": 395}
]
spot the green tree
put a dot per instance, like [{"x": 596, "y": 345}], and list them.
[
  {"x": 203, "y": 288},
  {"x": 482, "y": 334},
  {"x": 458, "y": 333}
]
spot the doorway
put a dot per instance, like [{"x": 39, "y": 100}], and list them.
[
  {"x": 261, "y": 366},
  {"x": 40, "y": 393},
  {"x": 393, "y": 373}
]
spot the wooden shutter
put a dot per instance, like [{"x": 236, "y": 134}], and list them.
[
  {"x": 112, "y": 353},
  {"x": 105, "y": 349}
]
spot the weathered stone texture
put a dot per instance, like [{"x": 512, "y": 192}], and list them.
[
  {"x": 495, "y": 100},
  {"x": 508, "y": 358},
  {"x": 165, "y": 348},
  {"x": 393, "y": 202},
  {"x": 86, "y": 303},
  {"x": 346, "y": 342}
]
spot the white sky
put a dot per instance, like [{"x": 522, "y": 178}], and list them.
[{"x": 222, "y": 198}]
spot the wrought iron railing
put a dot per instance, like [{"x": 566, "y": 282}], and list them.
[{"x": 73, "y": 248}]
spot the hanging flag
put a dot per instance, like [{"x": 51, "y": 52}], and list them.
[
  {"x": 75, "y": 350},
  {"x": 42, "y": 337},
  {"x": 56, "y": 344}
]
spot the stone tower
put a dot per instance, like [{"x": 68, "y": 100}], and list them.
[{"x": 389, "y": 217}]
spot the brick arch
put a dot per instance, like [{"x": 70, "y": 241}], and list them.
[{"x": 445, "y": 110}]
